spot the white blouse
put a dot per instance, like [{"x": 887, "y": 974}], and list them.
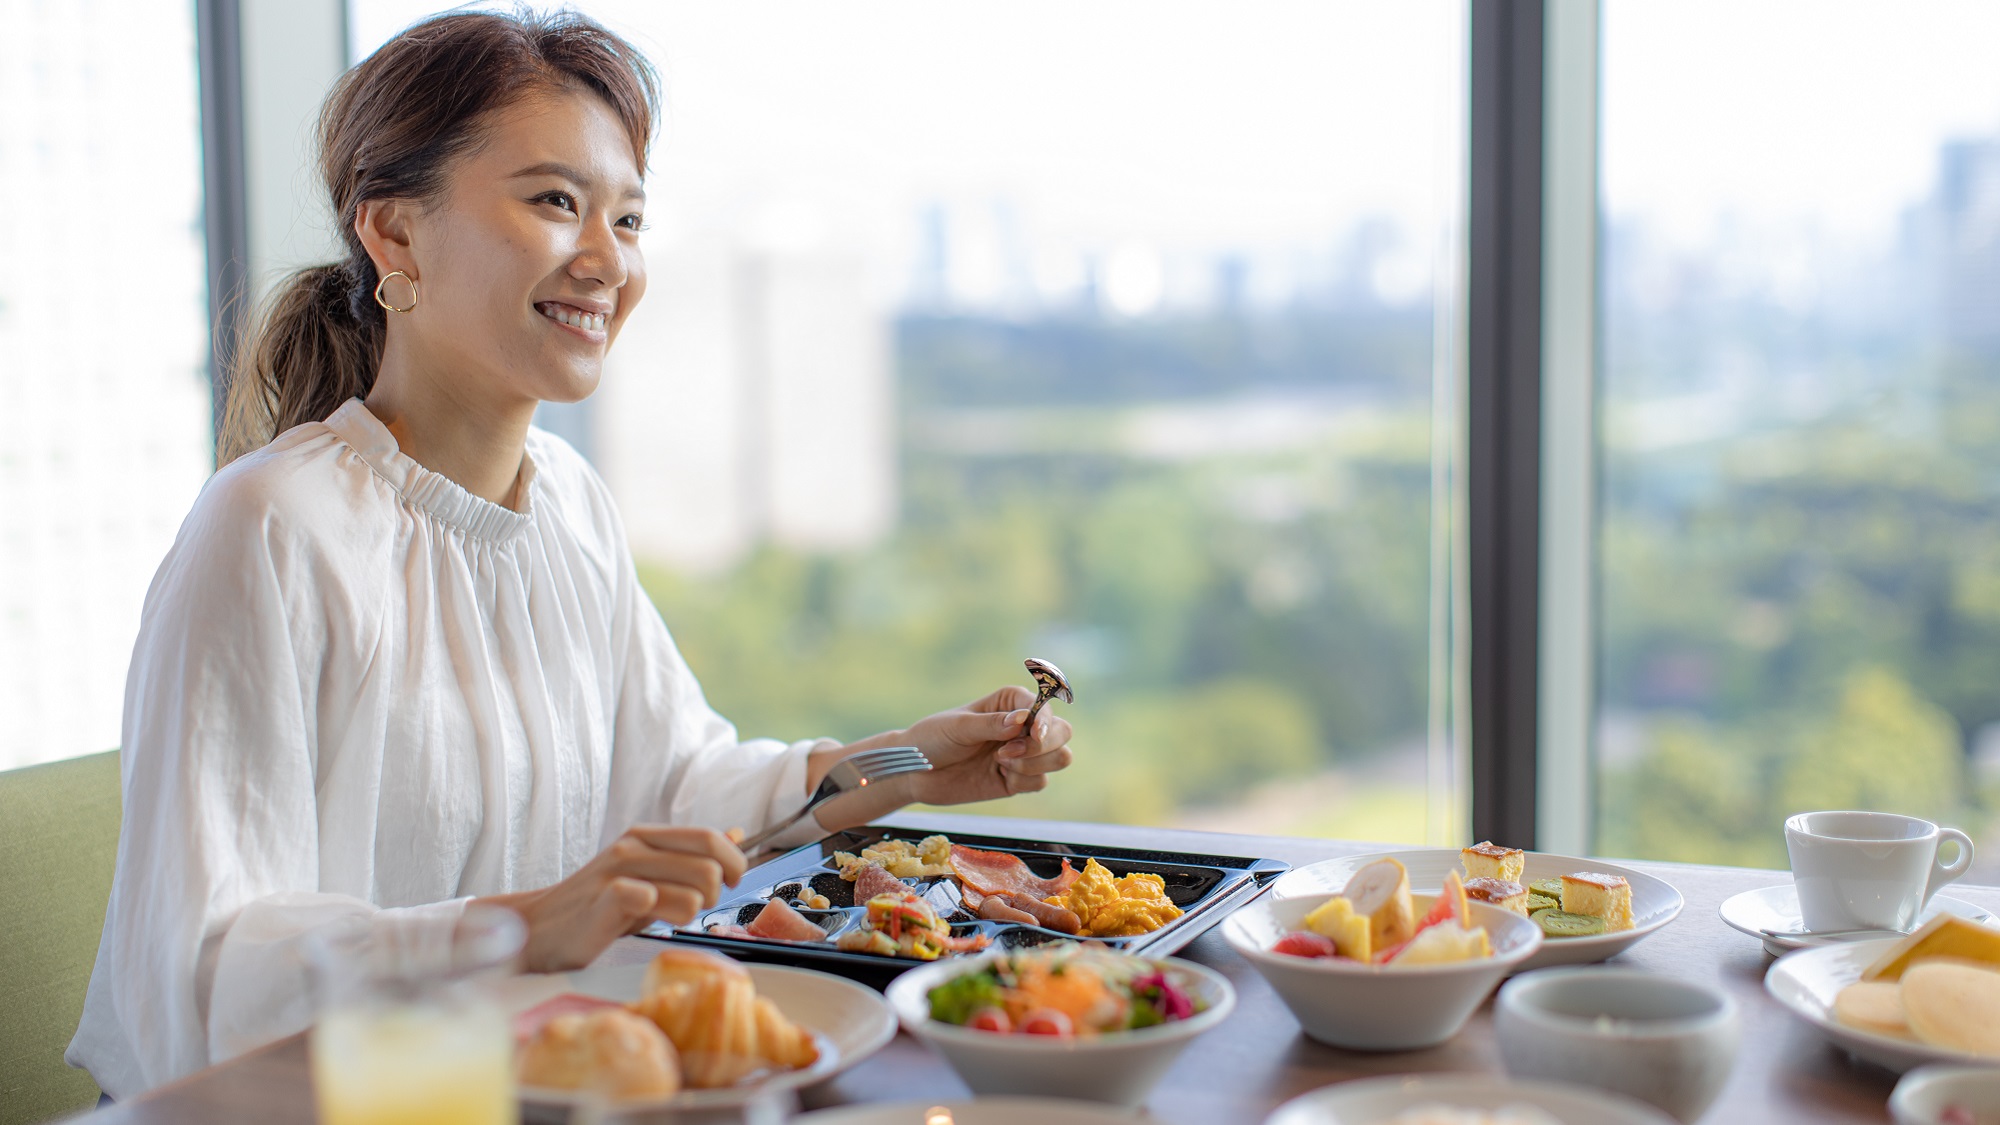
[{"x": 359, "y": 688}]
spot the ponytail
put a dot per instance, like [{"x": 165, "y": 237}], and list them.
[
  {"x": 389, "y": 130},
  {"x": 316, "y": 343}
]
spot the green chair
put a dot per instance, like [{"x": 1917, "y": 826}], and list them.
[{"x": 58, "y": 845}]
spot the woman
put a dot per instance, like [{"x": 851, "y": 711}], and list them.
[{"x": 398, "y": 658}]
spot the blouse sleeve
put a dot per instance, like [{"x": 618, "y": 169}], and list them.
[
  {"x": 675, "y": 761},
  {"x": 216, "y": 891}
]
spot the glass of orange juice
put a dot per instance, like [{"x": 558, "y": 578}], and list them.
[{"x": 410, "y": 1028}]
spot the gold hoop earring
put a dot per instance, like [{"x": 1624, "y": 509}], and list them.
[{"x": 385, "y": 280}]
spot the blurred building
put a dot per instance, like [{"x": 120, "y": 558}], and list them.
[
  {"x": 749, "y": 400},
  {"x": 104, "y": 405},
  {"x": 1966, "y": 214}
]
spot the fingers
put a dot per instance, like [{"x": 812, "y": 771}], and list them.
[
  {"x": 637, "y": 904},
  {"x": 1052, "y": 732},
  {"x": 1057, "y": 759},
  {"x": 705, "y": 843}
]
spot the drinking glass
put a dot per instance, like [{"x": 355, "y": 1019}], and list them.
[{"x": 410, "y": 1029}]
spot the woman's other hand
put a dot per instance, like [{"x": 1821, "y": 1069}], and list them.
[
  {"x": 979, "y": 752},
  {"x": 651, "y": 873}
]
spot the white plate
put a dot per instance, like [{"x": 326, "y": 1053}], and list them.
[
  {"x": 1806, "y": 981},
  {"x": 984, "y": 1111},
  {"x": 851, "y": 1022},
  {"x": 1654, "y": 901},
  {"x": 1777, "y": 908},
  {"x": 1371, "y": 1101}
]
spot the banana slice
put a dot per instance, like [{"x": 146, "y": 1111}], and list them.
[{"x": 1381, "y": 891}]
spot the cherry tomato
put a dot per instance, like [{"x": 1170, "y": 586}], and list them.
[
  {"x": 1047, "y": 1021},
  {"x": 990, "y": 1019},
  {"x": 1304, "y": 943}
]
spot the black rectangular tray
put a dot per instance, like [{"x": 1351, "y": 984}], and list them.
[{"x": 1205, "y": 887}]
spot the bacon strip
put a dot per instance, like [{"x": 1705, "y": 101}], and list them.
[{"x": 992, "y": 873}]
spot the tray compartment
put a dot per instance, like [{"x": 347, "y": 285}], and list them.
[{"x": 1205, "y": 887}]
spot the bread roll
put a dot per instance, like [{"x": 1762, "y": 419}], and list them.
[{"x": 612, "y": 1051}]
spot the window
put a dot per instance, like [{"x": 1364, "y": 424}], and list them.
[
  {"x": 1800, "y": 428},
  {"x": 104, "y": 405},
  {"x": 1104, "y": 335}
]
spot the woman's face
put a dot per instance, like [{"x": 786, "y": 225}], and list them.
[{"x": 530, "y": 263}]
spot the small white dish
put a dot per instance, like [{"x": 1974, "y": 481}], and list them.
[
  {"x": 850, "y": 1021},
  {"x": 1377, "y": 1007},
  {"x": 1655, "y": 902},
  {"x": 1667, "y": 1041},
  {"x": 1370, "y": 1101},
  {"x": 1807, "y": 980},
  {"x": 1777, "y": 908},
  {"x": 1924, "y": 1093},
  {"x": 983, "y": 1111},
  {"x": 1119, "y": 1067}
]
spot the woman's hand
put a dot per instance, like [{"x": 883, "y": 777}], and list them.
[
  {"x": 651, "y": 873},
  {"x": 979, "y": 752}
]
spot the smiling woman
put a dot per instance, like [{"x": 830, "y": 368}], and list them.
[{"x": 398, "y": 659}]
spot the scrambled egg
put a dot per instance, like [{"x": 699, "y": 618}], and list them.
[
  {"x": 1136, "y": 904},
  {"x": 900, "y": 858}
]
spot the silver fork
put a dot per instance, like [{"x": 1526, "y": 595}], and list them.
[{"x": 847, "y": 775}]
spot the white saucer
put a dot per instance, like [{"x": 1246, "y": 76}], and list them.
[{"x": 1777, "y": 908}]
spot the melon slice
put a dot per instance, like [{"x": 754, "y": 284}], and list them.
[{"x": 1445, "y": 943}]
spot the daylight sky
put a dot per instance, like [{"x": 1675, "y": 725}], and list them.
[{"x": 1279, "y": 120}]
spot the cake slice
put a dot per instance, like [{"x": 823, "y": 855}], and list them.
[
  {"x": 1487, "y": 860},
  {"x": 1498, "y": 892},
  {"x": 1943, "y": 936},
  {"x": 1599, "y": 895}
]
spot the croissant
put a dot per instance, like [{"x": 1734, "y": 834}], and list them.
[
  {"x": 723, "y": 1030},
  {"x": 609, "y": 1050}
]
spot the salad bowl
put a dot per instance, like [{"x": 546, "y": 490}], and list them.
[{"x": 1120, "y": 1067}]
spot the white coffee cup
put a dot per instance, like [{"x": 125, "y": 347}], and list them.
[{"x": 1868, "y": 870}]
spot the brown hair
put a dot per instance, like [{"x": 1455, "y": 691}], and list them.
[{"x": 390, "y": 130}]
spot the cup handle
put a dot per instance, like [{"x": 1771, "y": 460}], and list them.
[{"x": 1942, "y": 873}]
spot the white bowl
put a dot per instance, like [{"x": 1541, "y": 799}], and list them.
[
  {"x": 1922, "y": 1094},
  {"x": 1370, "y": 1101},
  {"x": 1119, "y": 1067},
  {"x": 1660, "y": 1039},
  {"x": 1377, "y": 1007},
  {"x": 983, "y": 1111}
]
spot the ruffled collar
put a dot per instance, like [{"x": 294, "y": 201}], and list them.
[{"x": 435, "y": 493}]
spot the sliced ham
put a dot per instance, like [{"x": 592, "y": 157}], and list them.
[
  {"x": 874, "y": 881},
  {"x": 779, "y": 922},
  {"x": 531, "y": 1021},
  {"x": 992, "y": 873}
]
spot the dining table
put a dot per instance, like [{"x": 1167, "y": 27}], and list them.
[{"x": 1257, "y": 1058}]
